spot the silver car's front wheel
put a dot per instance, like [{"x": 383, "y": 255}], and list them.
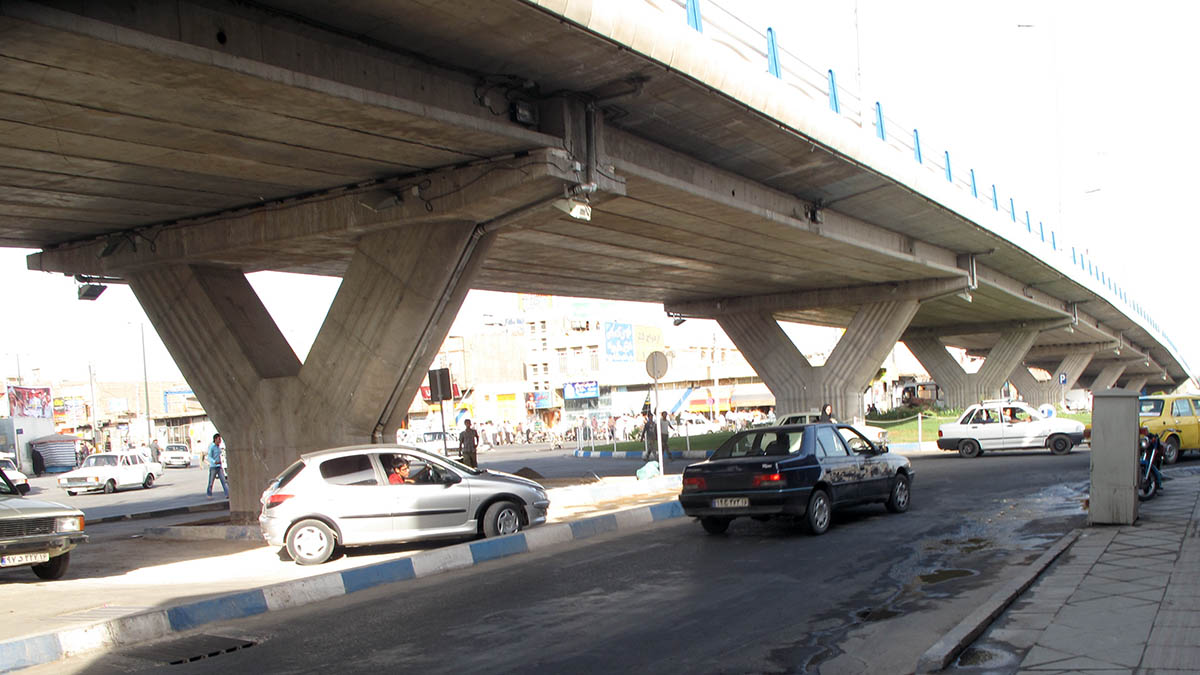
[
  {"x": 310, "y": 542},
  {"x": 502, "y": 518}
]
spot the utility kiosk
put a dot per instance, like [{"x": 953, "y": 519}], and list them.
[{"x": 1114, "y": 473}]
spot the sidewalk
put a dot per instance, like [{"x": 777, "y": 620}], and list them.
[{"x": 1120, "y": 599}]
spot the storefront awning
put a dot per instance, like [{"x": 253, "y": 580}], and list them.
[{"x": 752, "y": 396}]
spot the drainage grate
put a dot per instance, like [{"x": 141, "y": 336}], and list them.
[{"x": 189, "y": 649}]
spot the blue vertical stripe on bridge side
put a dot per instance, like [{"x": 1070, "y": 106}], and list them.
[
  {"x": 490, "y": 549},
  {"x": 693, "y": 15},
  {"x": 666, "y": 510},
  {"x": 29, "y": 652},
  {"x": 226, "y": 607},
  {"x": 772, "y": 54},
  {"x": 582, "y": 529},
  {"x": 374, "y": 575}
]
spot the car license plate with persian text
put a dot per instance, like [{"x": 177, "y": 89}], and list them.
[
  {"x": 730, "y": 502},
  {"x": 23, "y": 559}
]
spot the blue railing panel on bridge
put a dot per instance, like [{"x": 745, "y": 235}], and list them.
[{"x": 767, "y": 47}]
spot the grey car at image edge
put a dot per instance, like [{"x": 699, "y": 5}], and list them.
[
  {"x": 800, "y": 472},
  {"x": 36, "y": 533},
  {"x": 343, "y": 497}
]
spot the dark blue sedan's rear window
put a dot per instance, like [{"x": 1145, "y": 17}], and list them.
[{"x": 764, "y": 443}]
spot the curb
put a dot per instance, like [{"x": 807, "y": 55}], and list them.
[
  {"x": 50, "y": 647},
  {"x": 637, "y": 454},
  {"x": 945, "y": 650},
  {"x": 222, "y": 505}
]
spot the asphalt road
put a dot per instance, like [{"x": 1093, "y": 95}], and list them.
[
  {"x": 186, "y": 487},
  {"x": 177, "y": 487},
  {"x": 868, "y": 597}
]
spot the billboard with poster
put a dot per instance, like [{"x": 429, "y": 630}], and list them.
[{"x": 30, "y": 402}]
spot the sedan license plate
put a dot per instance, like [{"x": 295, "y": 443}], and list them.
[
  {"x": 23, "y": 559},
  {"x": 730, "y": 502}
]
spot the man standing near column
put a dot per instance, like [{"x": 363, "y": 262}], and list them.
[
  {"x": 468, "y": 442},
  {"x": 215, "y": 468}
]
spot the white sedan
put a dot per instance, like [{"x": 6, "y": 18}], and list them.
[
  {"x": 19, "y": 479},
  {"x": 1005, "y": 424},
  {"x": 176, "y": 455},
  {"x": 110, "y": 471}
]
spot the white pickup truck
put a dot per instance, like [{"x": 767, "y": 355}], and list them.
[{"x": 1004, "y": 424}]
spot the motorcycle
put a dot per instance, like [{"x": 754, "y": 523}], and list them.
[{"x": 1150, "y": 458}]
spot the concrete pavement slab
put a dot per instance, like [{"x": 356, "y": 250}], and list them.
[{"x": 1122, "y": 615}]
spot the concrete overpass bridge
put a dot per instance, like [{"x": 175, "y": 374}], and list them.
[{"x": 420, "y": 149}]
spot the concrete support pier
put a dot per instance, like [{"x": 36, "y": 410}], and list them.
[
  {"x": 800, "y": 386},
  {"x": 390, "y": 316},
  {"x": 1050, "y": 392},
  {"x": 1135, "y": 384},
  {"x": 963, "y": 388},
  {"x": 1107, "y": 379}
]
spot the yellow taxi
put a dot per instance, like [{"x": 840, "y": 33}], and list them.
[{"x": 1174, "y": 419}]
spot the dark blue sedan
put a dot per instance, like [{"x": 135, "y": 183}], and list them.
[{"x": 801, "y": 472}]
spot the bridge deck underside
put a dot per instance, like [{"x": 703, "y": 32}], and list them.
[{"x": 157, "y": 121}]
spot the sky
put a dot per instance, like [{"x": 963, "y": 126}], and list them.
[{"x": 1077, "y": 110}]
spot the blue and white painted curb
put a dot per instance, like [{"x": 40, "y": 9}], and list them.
[
  {"x": 637, "y": 454},
  {"x": 135, "y": 628}
]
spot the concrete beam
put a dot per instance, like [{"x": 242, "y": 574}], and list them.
[
  {"x": 799, "y": 386},
  {"x": 324, "y": 226},
  {"x": 980, "y": 328},
  {"x": 1066, "y": 349},
  {"x": 920, "y": 291}
]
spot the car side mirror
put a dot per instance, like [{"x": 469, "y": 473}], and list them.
[{"x": 451, "y": 478}]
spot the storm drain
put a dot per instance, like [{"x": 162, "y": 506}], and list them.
[{"x": 189, "y": 649}]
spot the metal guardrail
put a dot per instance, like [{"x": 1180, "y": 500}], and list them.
[{"x": 745, "y": 43}]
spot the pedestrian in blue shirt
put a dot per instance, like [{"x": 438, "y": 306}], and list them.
[{"x": 215, "y": 468}]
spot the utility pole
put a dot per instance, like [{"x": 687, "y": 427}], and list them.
[
  {"x": 92, "y": 389},
  {"x": 146, "y": 383}
]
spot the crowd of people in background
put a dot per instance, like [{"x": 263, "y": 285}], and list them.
[{"x": 626, "y": 427}]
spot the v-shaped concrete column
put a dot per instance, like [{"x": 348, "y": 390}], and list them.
[
  {"x": 963, "y": 388},
  {"x": 1050, "y": 392},
  {"x": 798, "y": 385},
  {"x": 399, "y": 296},
  {"x": 1108, "y": 376},
  {"x": 1135, "y": 383}
]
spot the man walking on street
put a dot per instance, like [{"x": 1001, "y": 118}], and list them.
[
  {"x": 468, "y": 442},
  {"x": 664, "y": 431},
  {"x": 215, "y": 468}
]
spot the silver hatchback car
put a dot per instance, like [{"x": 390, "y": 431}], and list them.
[{"x": 378, "y": 494}]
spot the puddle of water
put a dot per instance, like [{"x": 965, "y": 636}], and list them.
[
  {"x": 974, "y": 544},
  {"x": 938, "y": 576},
  {"x": 976, "y": 656},
  {"x": 876, "y": 614}
]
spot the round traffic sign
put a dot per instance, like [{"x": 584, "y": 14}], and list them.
[{"x": 656, "y": 365}]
